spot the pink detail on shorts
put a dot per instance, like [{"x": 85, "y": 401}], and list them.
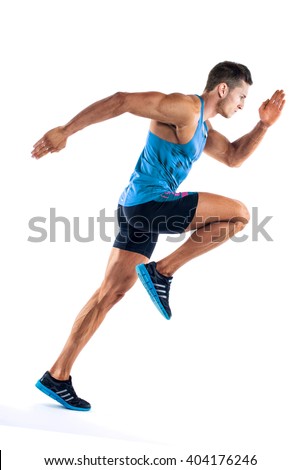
[{"x": 167, "y": 194}]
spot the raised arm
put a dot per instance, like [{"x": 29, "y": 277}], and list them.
[
  {"x": 174, "y": 109},
  {"x": 235, "y": 153}
]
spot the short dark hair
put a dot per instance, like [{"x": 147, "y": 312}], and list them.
[{"x": 230, "y": 73}]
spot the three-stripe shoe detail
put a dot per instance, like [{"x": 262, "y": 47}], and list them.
[
  {"x": 157, "y": 286},
  {"x": 65, "y": 395},
  {"x": 161, "y": 290}
]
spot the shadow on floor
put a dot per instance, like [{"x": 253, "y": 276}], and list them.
[{"x": 55, "y": 418}]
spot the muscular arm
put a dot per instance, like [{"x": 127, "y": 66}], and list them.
[
  {"x": 173, "y": 109},
  {"x": 176, "y": 109},
  {"x": 235, "y": 153}
]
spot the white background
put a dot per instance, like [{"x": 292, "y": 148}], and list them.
[{"x": 223, "y": 375}]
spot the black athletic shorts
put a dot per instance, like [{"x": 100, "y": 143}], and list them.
[{"x": 140, "y": 225}]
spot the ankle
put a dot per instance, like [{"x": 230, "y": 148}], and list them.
[
  {"x": 59, "y": 375},
  {"x": 164, "y": 270}
]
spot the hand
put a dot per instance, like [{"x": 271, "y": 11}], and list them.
[
  {"x": 53, "y": 141},
  {"x": 270, "y": 110}
]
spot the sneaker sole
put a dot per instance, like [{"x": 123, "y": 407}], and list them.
[
  {"x": 56, "y": 397},
  {"x": 148, "y": 284}
]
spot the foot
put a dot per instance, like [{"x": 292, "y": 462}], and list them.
[
  {"x": 63, "y": 392},
  {"x": 157, "y": 286}
]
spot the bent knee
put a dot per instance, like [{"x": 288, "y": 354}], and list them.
[
  {"x": 110, "y": 296},
  {"x": 242, "y": 215},
  {"x": 238, "y": 226},
  {"x": 116, "y": 289}
]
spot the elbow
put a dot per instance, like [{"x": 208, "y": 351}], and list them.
[
  {"x": 120, "y": 98},
  {"x": 233, "y": 160},
  {"x": 234, "y": 163}
]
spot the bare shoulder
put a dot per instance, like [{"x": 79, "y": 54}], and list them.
[
  {"x": 209, "y": 125},
  {"x": 184, "y": 109},
  {"x": 212, "y": 134},
  {"x": 175, "y": 109},
  {"x": 180, "y": 99}
]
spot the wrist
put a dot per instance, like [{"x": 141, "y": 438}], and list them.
[
  {"x": 69, "y": 129},
  {"x": 263, "y": 125}
]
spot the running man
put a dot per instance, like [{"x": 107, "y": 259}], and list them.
[{"x": 179, "y": 132}]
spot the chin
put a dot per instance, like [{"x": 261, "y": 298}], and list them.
[
  {"x": 226, "y": 114},
  {"x": 223, "y": 113},
  {"x": 229, "y": 115}
]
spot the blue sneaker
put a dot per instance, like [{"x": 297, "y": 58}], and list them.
[
  {"x": 157, "y": 286},
  {"x": 63, "y": 392}
]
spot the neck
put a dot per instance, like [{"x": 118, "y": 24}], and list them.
[{"x": 209, "y": 105}]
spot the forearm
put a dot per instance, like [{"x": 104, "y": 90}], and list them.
[
  {"x": 243, "y": 147},
  {"x": 102, "y": 110}
]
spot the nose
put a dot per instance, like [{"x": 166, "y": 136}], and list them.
[{"x": 241, "y": 103}]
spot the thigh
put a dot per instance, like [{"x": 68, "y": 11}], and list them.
[
  {"x": 132, "y": 239},
  {"x": 215, "y": 208}
]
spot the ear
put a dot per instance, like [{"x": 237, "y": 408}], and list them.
[{"x": 222, "y": 90}]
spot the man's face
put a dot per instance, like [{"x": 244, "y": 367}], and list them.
[{"x": 234, "y": 100}]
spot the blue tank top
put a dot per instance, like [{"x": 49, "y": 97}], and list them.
[{"x": 163, "y": 165}]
